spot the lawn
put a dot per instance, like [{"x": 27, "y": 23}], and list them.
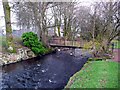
[
  {"x": 96, "y": 74},
  {"x": 116, "y": 44}
]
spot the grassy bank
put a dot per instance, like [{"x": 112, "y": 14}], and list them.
[
  {"x": 96, "y": 74},
  {"x": 17, "y": 43},
  {"x": 2, "y": 43}
]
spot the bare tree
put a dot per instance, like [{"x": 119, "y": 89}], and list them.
[
  {"x": 101, "y": 24},
  {"x": 57, "y": 13},
  {"x": 110, "y": 23},
  {"x": 9, "y": 37},
  {"x": 34, "y": 14}
]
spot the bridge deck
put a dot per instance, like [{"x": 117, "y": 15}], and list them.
[{"x": 64, "y": 46}]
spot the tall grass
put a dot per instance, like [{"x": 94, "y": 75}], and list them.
[{"x": 2, "y": 41}]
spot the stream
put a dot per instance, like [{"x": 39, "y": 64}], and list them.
[{"x": 51, "y": 71}]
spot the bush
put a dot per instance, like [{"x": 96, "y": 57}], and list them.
[
  {"x": 89, "y": 45},
  {"x": 95, "y": 59},
  {"x": 31, "y": 40}
]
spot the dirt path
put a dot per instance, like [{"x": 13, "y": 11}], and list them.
[{"x": 116, "y": 55}]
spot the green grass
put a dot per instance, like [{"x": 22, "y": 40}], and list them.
[
  {"x": 3, "y": 43},
  {"x": 96, "y": 74},
  {"x": 117, "y": 44}
]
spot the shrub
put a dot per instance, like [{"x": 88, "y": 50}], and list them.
[
  {"x": 97, "y": 45},
  {"x": 95, "y": 59},
  {"x": 89, "y": 45},
  {"x": 31, "y": 40},
  {"x": 37, "y": 50}
]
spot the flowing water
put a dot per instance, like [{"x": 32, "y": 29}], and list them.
[{"x": 50, "y": 71}]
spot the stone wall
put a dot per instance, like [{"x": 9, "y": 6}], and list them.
[{"x": 22, "y": 54}]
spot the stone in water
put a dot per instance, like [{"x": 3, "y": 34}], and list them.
[
  {"x": 38, "y": 65},
  {"x": 10, "y": 48},
  {"x": 43, "y": 70},
  {"x": 71, "y": 54},
  {"x": 50, "y": 81},
  {"x": 58, "y": 49}
]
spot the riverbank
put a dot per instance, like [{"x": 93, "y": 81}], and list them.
[
  {"x": 22, "y": 53},
  {"x": 96, "y": 74}
]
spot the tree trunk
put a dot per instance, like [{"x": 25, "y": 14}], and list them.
[
  {"x": 59, "y": 31},
  {"x": 105, "y": 45},
  {"x": 9, "y": 37},
  {"x": 58, "y": 27},
  {"x": 65, "y": 31},
  {"x": 55, "y": 31},
  {"x": 55, "y": 28},
  {"x": 93, "y": 33}
]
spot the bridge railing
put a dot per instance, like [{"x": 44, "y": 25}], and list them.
[{"x": 62, "y": 41}]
